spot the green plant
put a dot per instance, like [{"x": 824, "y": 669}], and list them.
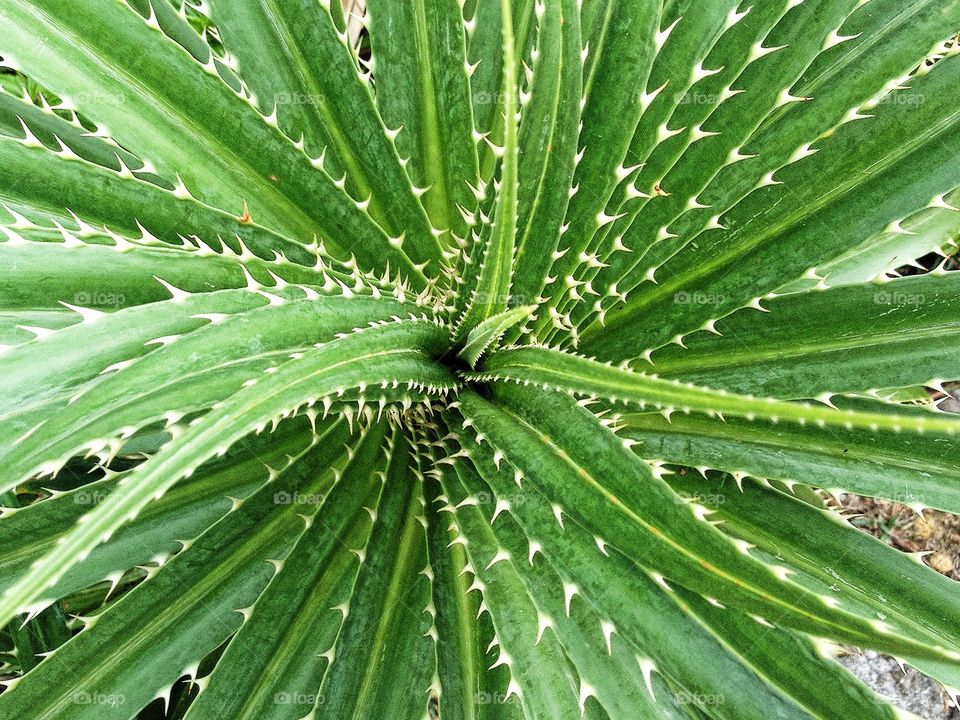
[{"x": 349, "y": 386}]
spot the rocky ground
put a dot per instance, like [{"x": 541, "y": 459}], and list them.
[
  {"x": 905, "y": 687},
  {"x": 938, "y": 534}
]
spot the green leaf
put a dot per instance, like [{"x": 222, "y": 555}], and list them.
[
  {"x": 204, "y": 594},
  {"x": 383, "y": 657},
  {"x": 876, "y": 581},
  {"x": 276, "y": 69},
  {"x": 488, "y": 333},
  {"x": 388, "y": 354},
  {"x": 51, "y": 188},
  {"x": 576, "y": 375},
  {"x": 792, "y": 663},
  {"x": 615, "y": 680},
  {"x": 56, "y": 132},
  {"x": 293, "y": 424},
  {"x": 621, "y": 50},
  {"x": 170, "y": 113},
  {"x": 318, "y": 75},
  {"x": 461, "y": 666},
  {"x": 486, "y": 289},
  {"x": 699, "y": 111},
  {"x": 187, "y": 373},
  {"x": 916, "y": 470},
  {"x": 300, "y": 610},
  {"x": 636, "y": 619},
  {"x": 488, "y": 83},
  {"x": 539, "y": 676},
  {"x": 930, "y": 230},
  {"x": 44, "y": 268},
  {"x": 596, "y": 481},
  {"x": 34, "y": 637},
  {"x": 39, "y": 636},
  {"x": 189, "y": 508},
  {"x": 858, "y": 328},
  {"x": 548, "y": 146},
  {"x": 419, "y": 55},
  {"x": 847, "y": 185},
  {"x": 879, "y": 46}
]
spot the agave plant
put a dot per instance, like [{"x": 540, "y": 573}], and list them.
[{"x": 487, "y": 359}]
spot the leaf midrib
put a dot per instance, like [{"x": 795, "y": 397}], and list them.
[
  {"x": 851, "y": 55},
  {"x": 866, "y": 455},
  {"x": 551, "y": 134},
  {"x": 688, "y": 397},
  {"x": 107, "y": 411},
  {"x": 191, "y": 597},
  {"x": 724, "y": 357},
  {"x": 212, "y": 141},
  {"x": 337, "y": 559},
  {"x": 344, "y": 153},
  {"x": 432, "y": 141},
  {"x": 709, "y": 567},
  {"x": 392, "y": 600},
  {"x": 712, "y": 263}
]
